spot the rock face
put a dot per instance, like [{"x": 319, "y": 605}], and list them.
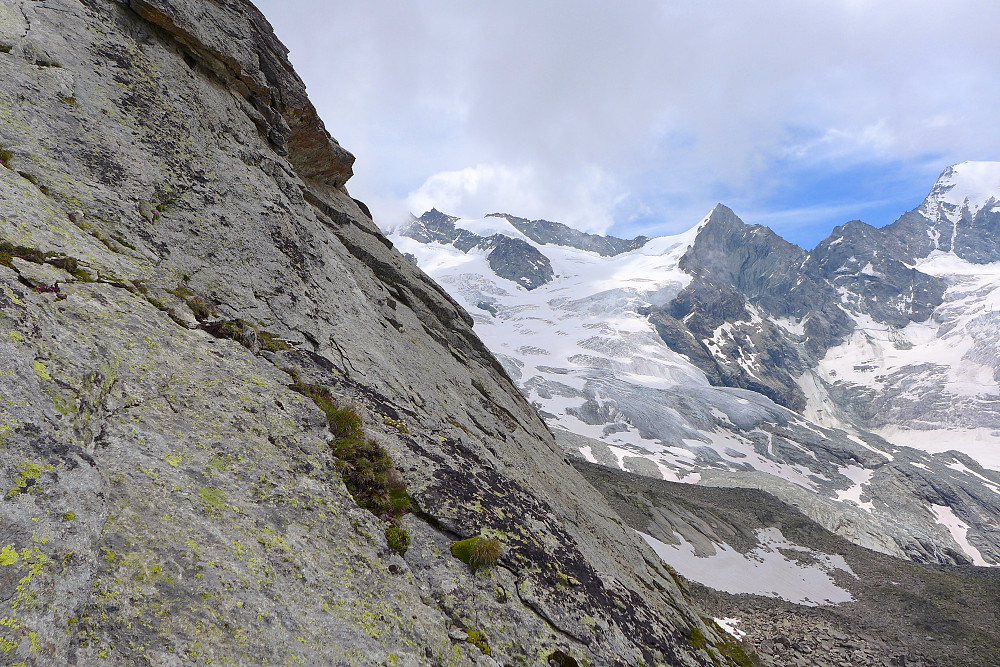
[
  {"x": 859, "y": 382},
  {"x": 546, "y": 231},
  {"x": 510, "y": 258},
  {"x": 185, "y": 282}
]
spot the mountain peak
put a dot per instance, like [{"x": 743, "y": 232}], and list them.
[{"x": 972, "y": 184}]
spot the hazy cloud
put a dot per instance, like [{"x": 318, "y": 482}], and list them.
[{"x": 640, "y": 111}]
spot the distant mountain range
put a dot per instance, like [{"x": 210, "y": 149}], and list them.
[{"x": 857, "y": 381}]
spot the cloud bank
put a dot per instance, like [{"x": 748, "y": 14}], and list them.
[{"x": 642, "y": 113}]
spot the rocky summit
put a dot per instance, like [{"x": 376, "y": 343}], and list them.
[{"x": 236, "y": 425}]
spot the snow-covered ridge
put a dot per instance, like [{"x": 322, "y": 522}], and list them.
[
  {"x": 619, "y": 381},
  {"x": 970, "y": 185}
]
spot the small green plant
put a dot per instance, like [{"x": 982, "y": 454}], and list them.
[
  {"x": 271, "y": 343},
  {"x": 200, "y": 306},
  {"x": 5, "y": 48},
  {"x": 68, "y": 264},
  {"x": 398, "y": 539},
  {"x": 486, "y": 553},
  {"x": 344, "y": 421},
  {"x": 5, "y": 157},
  {"x": 242, "y": 332},
  {"x": 735, "y": 654},
  {"x": 366, "y": 468},
  {"x": 697, "y": 638},
  {"x": 478, "y": 552},
  {"x": 33, "y": 255},
  {"x": 124, "y": 242},
  {"x": 478, "y": 639}
]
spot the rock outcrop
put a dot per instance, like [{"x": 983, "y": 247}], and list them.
[{"x": 186, "y": 289}]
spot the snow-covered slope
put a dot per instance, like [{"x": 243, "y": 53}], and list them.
[{"x": 667, "y": 358}]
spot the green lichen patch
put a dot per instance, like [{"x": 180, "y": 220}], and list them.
[
  {"x": 28, "y": 475},
  {"x": 40, "y": 370},
  {"x": 212, "y": 497},
  {"x": 8, "y": 555}
]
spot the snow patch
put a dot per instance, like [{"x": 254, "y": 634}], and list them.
[
  {"x": 729, "y": 625},
  {"x": 764, "y": 570},
  {"x": 959, "y": 532}
]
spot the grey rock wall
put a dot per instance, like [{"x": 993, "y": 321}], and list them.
[{"x": 167, "y": 497}]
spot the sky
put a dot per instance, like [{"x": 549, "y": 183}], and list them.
[{"x": 638, "y": 116}]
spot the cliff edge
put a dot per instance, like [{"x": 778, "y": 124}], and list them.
[{"x": 225, "y": 398}]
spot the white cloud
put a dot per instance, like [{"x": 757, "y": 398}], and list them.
[
  {"x": 670, "y": 102},
  {"x": 588, "y": 201}
]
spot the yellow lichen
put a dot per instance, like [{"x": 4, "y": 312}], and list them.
[{"x": 41, "y": 371}]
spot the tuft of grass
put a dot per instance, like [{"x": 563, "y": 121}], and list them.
[
  {"x": 478, "y": 552},
  {"x": 366, "y": 468},
  {"x": 478, "y": 639},
  {"x": 200, "y": 306},
  {"x": 5, "y": 157},
  {"x": 398, "y": 539},
  {"x": 33, "y": 255},
  {"x": 271, "y": 343},
  {"x": 486, "y": 553},
  {"x": 344, "y": 421},
  {"x": 242, "y": 332},
  {"x": 68, "y": 264}
]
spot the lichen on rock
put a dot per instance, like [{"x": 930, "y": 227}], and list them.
[{"x": 175, "y": 499}]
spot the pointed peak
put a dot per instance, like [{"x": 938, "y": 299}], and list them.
[
  {"x": 721, "y": 216},
  {"x": 971, "y": 184}
]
